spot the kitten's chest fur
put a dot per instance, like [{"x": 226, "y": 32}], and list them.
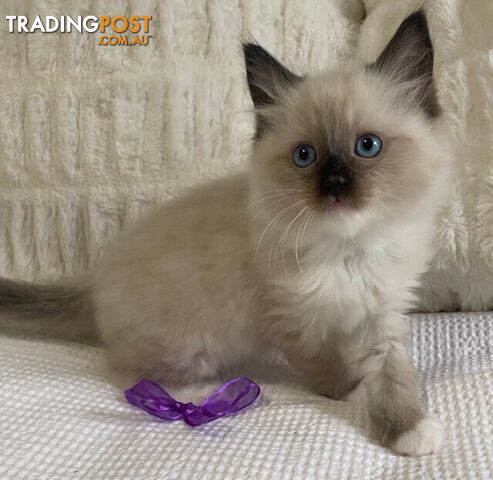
[{"x": 339, "y": 286}]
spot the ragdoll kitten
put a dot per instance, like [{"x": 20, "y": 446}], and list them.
[{"x": 314, "y": 250}]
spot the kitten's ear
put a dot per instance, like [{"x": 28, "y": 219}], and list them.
[
  {"x": 408, "y": 59},
  {"x": 267, "y": 78}
]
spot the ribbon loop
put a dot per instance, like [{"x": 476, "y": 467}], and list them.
[{"x": 232, "y": 397}]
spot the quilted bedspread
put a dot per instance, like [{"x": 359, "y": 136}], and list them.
[{"x": 61, "y": 419}]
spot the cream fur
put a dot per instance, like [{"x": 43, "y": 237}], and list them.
[
  {"x": 222, "y": 272},
  {"x": 257, "y": 260},
  {"x": 195, "y": 277}
]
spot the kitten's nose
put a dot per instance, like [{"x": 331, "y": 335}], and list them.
[
  {"x": 333, "y": 184},
  {"x": 335, "y": 177}
]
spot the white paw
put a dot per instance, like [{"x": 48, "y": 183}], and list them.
[{"x": 425, "y": 438}]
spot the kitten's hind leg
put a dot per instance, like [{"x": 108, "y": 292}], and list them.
[{"x": 170, "y": 367}]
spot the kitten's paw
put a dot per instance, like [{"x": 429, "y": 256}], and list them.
[{"x": 425, "y": 438}]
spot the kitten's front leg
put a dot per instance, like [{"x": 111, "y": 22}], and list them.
[{"x": 396, "y": 412}]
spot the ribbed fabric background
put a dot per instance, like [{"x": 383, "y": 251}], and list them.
[{"x": 91, "y": 136}]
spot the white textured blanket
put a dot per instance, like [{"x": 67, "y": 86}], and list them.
[{"x": 61, "y": 420}]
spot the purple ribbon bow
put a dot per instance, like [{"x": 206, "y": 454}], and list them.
[{"x": 232, "y": 397}]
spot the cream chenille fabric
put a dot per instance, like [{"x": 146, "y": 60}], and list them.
[{"x": 91, "y": 136}]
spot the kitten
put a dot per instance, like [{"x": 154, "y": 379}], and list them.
[{"x": 314, "y": 250}]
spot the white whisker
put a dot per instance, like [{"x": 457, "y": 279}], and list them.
[
  {"x": 310, "y": 217},
  {"x": 273, "y": 239},
  {"x": 275, "y": 194},
  {"x": 282, "y": 242},
  {"x": 274, "y": 220},
  {"x": 265, "y": 207}
]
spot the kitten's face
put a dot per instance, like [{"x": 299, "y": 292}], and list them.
[
  {"x": 340, "y": 148},
  {"x": 349, "y": 148}
]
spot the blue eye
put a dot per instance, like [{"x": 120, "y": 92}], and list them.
[
  {"x": 368, "y": 145},
  {"x": 304, "y": 155}
]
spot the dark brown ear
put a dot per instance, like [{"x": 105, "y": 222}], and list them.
[
  {"x": 408, "y": 60},
  {"x": 267, "y": 79}
]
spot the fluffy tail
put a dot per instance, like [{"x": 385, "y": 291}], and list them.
[{"x": 70, "y": 303}]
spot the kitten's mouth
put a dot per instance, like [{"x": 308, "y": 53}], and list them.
[{"x": 335, "y": 203}]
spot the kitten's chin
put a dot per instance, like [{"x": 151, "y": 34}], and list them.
[{"x": 341, "y": 218}]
